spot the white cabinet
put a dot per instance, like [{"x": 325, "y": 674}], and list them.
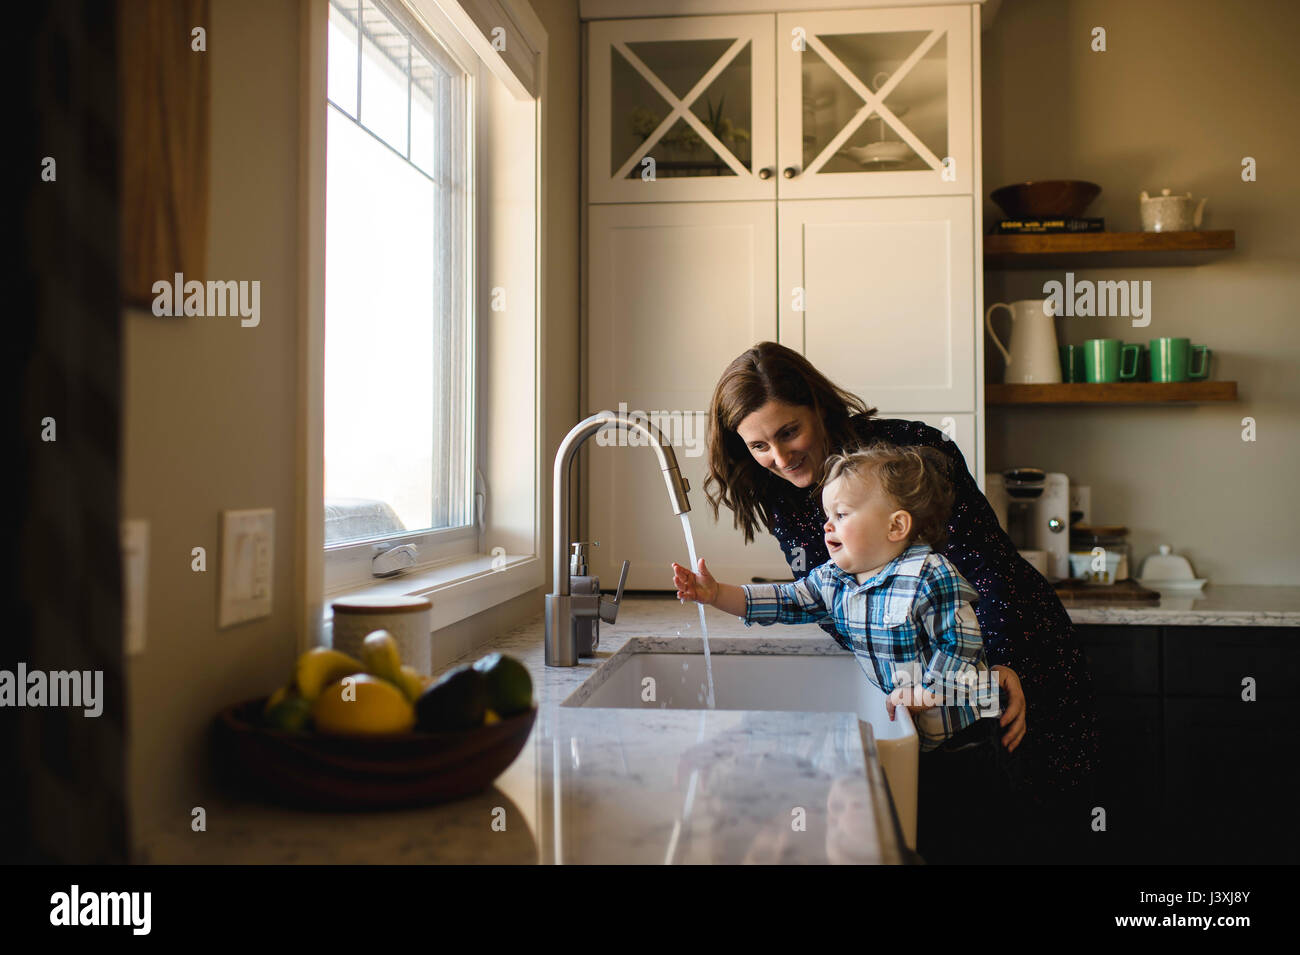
[
  {"x": 869, "y": 103},
  {"x": 672, "y": 289},
  {"x": 879, "y": 295},
  {"x": 875, "y": 102},
  {"x": 810, "y": 178},
  {"x": 681, "y": 108}
]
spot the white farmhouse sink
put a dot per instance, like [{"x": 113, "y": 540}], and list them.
[{"x": 792, "y": 674}]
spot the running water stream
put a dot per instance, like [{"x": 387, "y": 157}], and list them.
[{"x": 704, "y": 627}]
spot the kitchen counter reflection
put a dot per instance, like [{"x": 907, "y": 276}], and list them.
[{"x": 683, "y": 786}]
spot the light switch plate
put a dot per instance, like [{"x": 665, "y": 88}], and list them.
[
  {"x": 135, "y": 584},
  {"x": 247, "y": 563}
]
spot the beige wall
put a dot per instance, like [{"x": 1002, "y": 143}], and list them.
[
  {"x": 1185, "y": 89},
  {"x": 210, "y": 407},
  {"x": 210, "y": 422}
]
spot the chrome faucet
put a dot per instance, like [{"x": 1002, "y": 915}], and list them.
[{"x": 564, "y": 609}]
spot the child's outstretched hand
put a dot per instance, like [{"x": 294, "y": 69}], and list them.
[
  {"x": 701, "y": 587},
  {"x": 914, "y": 698}
]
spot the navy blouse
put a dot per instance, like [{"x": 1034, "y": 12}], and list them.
[{"x": 1025, "y": 626}]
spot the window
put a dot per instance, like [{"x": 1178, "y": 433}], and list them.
[{"x": 399, "y": 411}]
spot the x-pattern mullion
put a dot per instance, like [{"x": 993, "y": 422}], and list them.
[
  {"x": 873, "y": 102},
  {"x": 681, "y": 107}
]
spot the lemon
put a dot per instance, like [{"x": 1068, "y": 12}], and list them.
[
  {"x": 362, "y": 705},
  {"x": 277, "y": 698},
  {"x": 412, "y": 683},
  {"x": 380, "y": 656},
  {"x": 321, "y": 666}
]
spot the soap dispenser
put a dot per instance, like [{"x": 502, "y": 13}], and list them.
[{"x": 580, "y": 583}]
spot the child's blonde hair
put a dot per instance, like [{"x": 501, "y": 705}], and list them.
[{"x": 915, "y": 478}]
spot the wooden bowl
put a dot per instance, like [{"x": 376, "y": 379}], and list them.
[
  {"x": 319, "y": 771},
  {"x": 1046, "y": 199}
]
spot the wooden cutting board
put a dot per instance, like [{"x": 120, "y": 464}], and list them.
[{"x": 1123, "y": 591}]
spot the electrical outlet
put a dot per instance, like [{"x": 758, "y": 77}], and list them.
[
  {"x": 1081, "y": 500},
  {"x": 135, "y": 584},
  {"x": 247, "y": 564}
]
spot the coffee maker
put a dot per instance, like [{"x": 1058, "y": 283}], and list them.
[{"x": 1033, "y": 507}]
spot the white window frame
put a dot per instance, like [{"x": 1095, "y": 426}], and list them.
[
  {"x": 348, "y": 563},
  {"x": 471, "y": 578}
]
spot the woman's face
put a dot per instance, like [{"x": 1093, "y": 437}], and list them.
[{"x": 785, "y": 439}]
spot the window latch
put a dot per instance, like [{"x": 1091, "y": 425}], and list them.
[{"x": 394, "y": 560}]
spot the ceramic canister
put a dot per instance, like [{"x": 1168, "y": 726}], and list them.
[{"x": 408, "y": 619}]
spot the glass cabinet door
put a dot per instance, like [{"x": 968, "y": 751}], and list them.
[
  {"x": 681, "y": 109},
  {"x": 875, "y": 102}
]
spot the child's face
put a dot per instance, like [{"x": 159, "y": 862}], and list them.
[{"x": 864, "y": 530}]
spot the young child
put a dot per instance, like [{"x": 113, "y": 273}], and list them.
[{"x": 905, "y": 608}]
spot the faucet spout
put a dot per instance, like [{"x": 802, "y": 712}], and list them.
[{"x": 561, "y": 639}]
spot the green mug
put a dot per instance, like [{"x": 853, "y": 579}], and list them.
[
  {"x": 1073, "y": 367},
  {"x": 1109, "y": 359},
  {"x": 1171, "y": 360}
]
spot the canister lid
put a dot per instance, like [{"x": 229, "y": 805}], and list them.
[{"x": 381, "y": 604}]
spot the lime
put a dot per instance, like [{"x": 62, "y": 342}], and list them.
[
  {"x": 291, "y": 713},
  {"x": 509, "y": 686}
]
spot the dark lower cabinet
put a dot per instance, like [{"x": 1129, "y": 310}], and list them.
[
  {"x": 1229, "y": 776},
  {"x": 1128, "y": 779},
  {"x": 1190, "y": 772}
]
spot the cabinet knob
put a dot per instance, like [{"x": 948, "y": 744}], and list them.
[
  {"x": 765, "y": 173},
  {"x": 790, "y": 172}
]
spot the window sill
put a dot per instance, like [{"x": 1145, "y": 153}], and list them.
[{"x": 458, "y": 588}]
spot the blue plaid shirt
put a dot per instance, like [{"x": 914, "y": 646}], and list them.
[{"x": 912, "y": 622}]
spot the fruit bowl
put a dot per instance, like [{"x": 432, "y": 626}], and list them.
[{"x": 320, "y": 771}]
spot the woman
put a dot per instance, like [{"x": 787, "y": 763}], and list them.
[{"x": 775, "y": 419}]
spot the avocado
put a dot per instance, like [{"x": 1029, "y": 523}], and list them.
[
  {"x": 509, "y": 686},
  {"x": 457, "y": 701}
]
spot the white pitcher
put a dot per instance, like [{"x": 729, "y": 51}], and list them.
[{"x": 1033, "y": 357}]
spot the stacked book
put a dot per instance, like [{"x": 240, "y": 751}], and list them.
[{"x": 1036, "y": 226}]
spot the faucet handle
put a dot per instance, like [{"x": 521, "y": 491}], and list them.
[{"x": 609, "y": 608}]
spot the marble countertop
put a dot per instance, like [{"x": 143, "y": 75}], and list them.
[
  {"x": 607, "y": 785},
  {"x": 649, "y": 786},
  {"x": 1227, "y": 605}
]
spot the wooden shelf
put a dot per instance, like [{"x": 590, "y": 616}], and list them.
[
  {"x": 1105, "y": 249},
  {"x": 1112, "y": 393}
]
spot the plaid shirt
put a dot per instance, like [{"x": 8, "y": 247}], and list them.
[{"x": 912, "y": 622}]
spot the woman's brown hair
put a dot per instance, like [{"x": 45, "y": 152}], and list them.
[
  {"x": 916, "y": 479},
  {"x": 768, "y": 372}
]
